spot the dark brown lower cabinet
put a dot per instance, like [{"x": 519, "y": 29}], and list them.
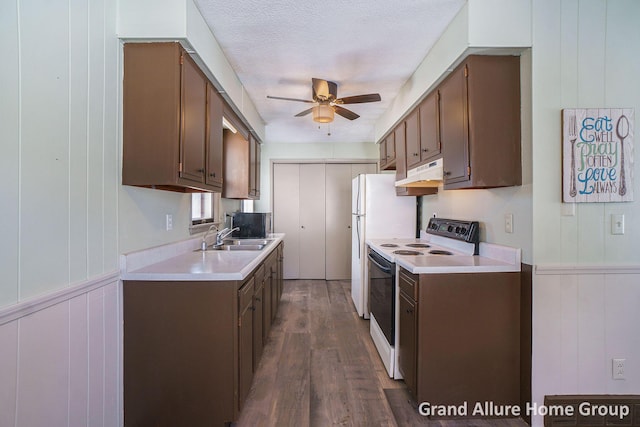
[
  {"x": 407, "y": 347},
  {"x": 258, "y": 316},
  {"x": 459, "y": 338},
  {"x": 245, "y": 340},
  {"x": 191, "y": 348}
]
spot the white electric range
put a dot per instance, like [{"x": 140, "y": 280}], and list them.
[{"x": 447, "y": 246}]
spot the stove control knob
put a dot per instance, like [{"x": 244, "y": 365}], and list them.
[
  {"x": 457, "y": 230},
  {"x": 463, "y": 230},
  {"x": 450, "y": 228}
]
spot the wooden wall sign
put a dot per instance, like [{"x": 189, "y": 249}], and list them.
[{"x": 597, "y": 155}]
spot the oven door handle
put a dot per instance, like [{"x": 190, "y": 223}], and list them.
[{"x": 386, "y": 269}]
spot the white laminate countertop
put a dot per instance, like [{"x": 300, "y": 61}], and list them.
[
  {"x": 492, "y": 258},
  {"x": 179, "y": 262}
]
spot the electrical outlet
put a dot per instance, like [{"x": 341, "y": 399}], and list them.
[
  {"x": 169, "y": 222},
  {"x": 617, "y": 224},
  {"x": 508, "y": 223},
  {"x": 618, "y": 369}
]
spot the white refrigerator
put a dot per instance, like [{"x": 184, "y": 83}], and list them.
[{"x": 376, "y": 212}]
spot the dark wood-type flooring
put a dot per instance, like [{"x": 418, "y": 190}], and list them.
[{"x": 320, "y": 368}]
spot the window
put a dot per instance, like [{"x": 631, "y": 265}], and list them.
[{"x": 204, "y": 211}]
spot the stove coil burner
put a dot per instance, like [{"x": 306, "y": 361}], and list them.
[
  {"x": 406, "y": 252},
  {"x": 440, "y": 252},
  {"x": 389, "y": 245},
  {"x": 417, "y": 245}
]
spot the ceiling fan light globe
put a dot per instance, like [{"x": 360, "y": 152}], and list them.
[{"x": 323, "y": 113}]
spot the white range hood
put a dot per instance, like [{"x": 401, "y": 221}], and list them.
[{"x": 427, "y": 175}]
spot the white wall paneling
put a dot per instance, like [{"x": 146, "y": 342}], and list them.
[
  {"x": 59, "y": 358},
  {"x": 583, "y": 318},
  {"x": 59, "y": 118},
  {"x": 585, "y": 289}
]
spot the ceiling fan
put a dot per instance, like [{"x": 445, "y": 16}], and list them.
[{"x": 325, "y": 95}]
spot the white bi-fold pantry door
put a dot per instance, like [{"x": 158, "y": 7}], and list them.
[{"x": 312, "y": 206}]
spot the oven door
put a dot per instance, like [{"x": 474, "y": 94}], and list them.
[{"x": 382, "y": 301}]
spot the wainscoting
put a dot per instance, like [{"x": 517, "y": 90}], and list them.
[
  {"x": 583, "y": 317},
  {"x": 60, "y": 357}
]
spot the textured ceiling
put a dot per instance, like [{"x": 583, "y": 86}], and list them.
[{"x": 365, "y": 46}]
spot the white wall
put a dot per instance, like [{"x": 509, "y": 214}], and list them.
[
  {"x": 586, "y": 54},
  {"x": 59, "y": 112}
]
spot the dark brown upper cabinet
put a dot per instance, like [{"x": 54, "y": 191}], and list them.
[
  {"x": 412, "y": 132},
  {"x": 480, "y": 123},
  {"x": 430, "y": 144},
  {"x": 254, "y": 167},
  {"x": 214, "y": 152},
  {"x": 388, "y": 153},
  {"x": 241, "y": 160},
  {"x": 400, "y": 136},
  {"x": 172, "y": 126}
]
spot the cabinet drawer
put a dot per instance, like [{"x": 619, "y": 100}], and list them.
[
  {"x": 408, "y": 283},
  {"x": 245, "y": 295}
]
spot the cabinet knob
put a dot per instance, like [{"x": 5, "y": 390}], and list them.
[
  {"x": 348, "y": 226},
  {"x": 258, "y": 299},
  {"x": 212, "y": 174},
  {"x": 200, "y": 170},
  {"x": 302, "y": 226},
  {"x": 424, "y": 150},
  {"x": 415, "y": 154},
  {"x": 447, "y": 173}
]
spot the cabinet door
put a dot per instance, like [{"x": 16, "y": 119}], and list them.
[
  {"x": 383, "y": 153},
  {"x": 258, "y": 322},
  {"x": 390, "y": 144},
  {"x": 272, "y": 271},
  {"x": 407, "y": 342},
  {"x": 254, "y": 167},
  {"x": 412, "y": 136},
  {"x": 214, "y": 137},
  {"x": 430, "y": 127},
  {"x": 245, "y": 340},
  {"x": 401, "y": 162},
  {"x": 266, "y": 305},
  {"x": 454, "y": 134},
  {"x": 193, "y": 126}
]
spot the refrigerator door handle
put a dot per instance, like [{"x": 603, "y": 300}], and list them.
[{"x": 358, "y": 234}]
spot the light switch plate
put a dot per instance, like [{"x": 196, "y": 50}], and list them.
[{"x": 617, "y": 224}]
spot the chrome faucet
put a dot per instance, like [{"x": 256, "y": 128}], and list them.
[
  {"x": 203, "y": 245},
  {"x": 220, "y": 236}
]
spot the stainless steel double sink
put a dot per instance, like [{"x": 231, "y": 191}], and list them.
[{"x": 240, "y": 245}]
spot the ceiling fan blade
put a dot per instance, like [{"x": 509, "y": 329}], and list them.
[
  {"x": 324, "y": 90},
  {"x": 305, "y": 112},
  {"x": 359, "y": 99},
  {"x": 347, "y": 114},
  {"x": 290, "y": 99}
]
